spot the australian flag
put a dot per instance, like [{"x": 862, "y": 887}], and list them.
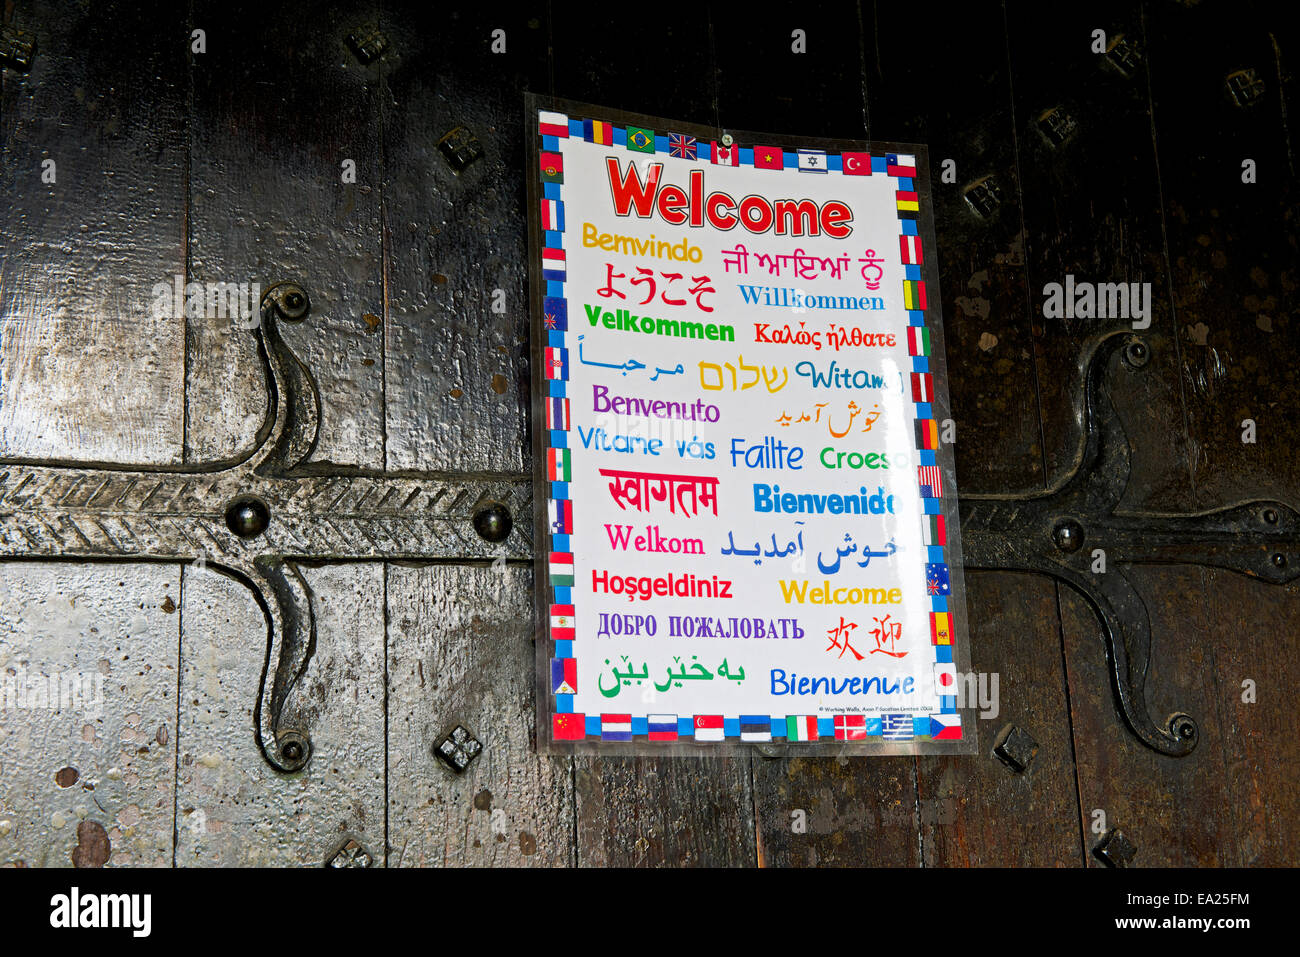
[
  {"x": 682, "y": 146},
  {"x": 936, "y": 579},
  {"x": 556, "y": 314}
]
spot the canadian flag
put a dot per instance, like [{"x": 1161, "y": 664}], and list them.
[{"x": 726, "y": 155}]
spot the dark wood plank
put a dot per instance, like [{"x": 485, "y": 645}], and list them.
[
  {"x": 1174, "y": 810},
  {"x": 82, "y": 254},
  {"x": 1234, "y": 272},
  {"x": 269, "y": 135},
  {"x": 457, "y": 379},
  {"x": 459, "y": 652},
  {"x": 975, "y": 811},
  {"x": 651, "y": 811}
]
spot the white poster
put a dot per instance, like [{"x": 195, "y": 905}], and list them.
[{"x": 750, "y": 516}]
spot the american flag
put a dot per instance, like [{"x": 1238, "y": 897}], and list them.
[
  {"x": 682, "y": 146},
  {"x": 896, "y": 727},
  {"x": 931, "y": 481}
]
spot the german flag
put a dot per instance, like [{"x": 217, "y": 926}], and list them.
[{"x": 927, "y": 434}]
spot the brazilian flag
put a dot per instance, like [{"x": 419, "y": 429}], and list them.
[{"x": 639, "y": 140}]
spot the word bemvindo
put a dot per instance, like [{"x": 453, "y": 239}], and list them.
[
  {"x": 205, "y": 300},
  {"x": 634, "y": 246},
  {"x": 1104, "y": 300},
  {"x": 133, "y": 911}
]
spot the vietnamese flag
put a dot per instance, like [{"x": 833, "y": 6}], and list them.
[
  {"x": 857, "y": 164},
  {"x": 569, "y": 727},
  {"x": 768, "y": 157}
]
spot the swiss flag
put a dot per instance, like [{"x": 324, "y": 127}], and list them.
[{"x": 726, "y": 155}]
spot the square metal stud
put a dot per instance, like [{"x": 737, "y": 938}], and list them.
[
  {"x": 460, "y": 147},
  {"x": 458, "y": 748},
  {"x": 984, "y": 196},
  {"x": 1115, "y": 850},
  {"x": 350, "y": 854},
  {"x": 1124, "y": 55},
  {"x": 16, "y": 51},
  {"x": 368, "y": 44},
  {"x": 1016, "y": 747},
  {"x": 1245, "y": 86},
  {"x": 1057, "y": 125}
]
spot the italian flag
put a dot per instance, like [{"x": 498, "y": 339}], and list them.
[{"x": 801, "y": 727}]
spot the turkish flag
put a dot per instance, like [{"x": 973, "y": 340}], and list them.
[{"x": 857, "y": 164}]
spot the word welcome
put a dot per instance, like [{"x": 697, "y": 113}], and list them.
[{"x": 679, "y": 207}]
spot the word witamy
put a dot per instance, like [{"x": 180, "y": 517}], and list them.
[
  {"x": 1103, "y": 300},
  {"x": 133, "y": 911}
]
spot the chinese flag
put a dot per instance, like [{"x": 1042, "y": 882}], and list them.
[
  {"x": 570, "y": 727},
  {"x": 768, "y": 157}
]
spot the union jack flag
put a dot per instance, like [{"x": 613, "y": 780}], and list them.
[{"x": 682, "y": 146}]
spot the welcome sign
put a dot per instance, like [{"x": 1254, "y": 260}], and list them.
[{"x": 747, "y": 527}]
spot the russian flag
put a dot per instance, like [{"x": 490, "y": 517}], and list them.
[{"x": 662, "y": 727}]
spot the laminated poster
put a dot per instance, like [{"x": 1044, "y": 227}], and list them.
[{"x": 746, "y": 523}]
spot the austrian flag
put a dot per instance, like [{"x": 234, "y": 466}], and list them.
[
  {"x": 922, "y": 387},
  {"x": 910, "y": 247}
]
